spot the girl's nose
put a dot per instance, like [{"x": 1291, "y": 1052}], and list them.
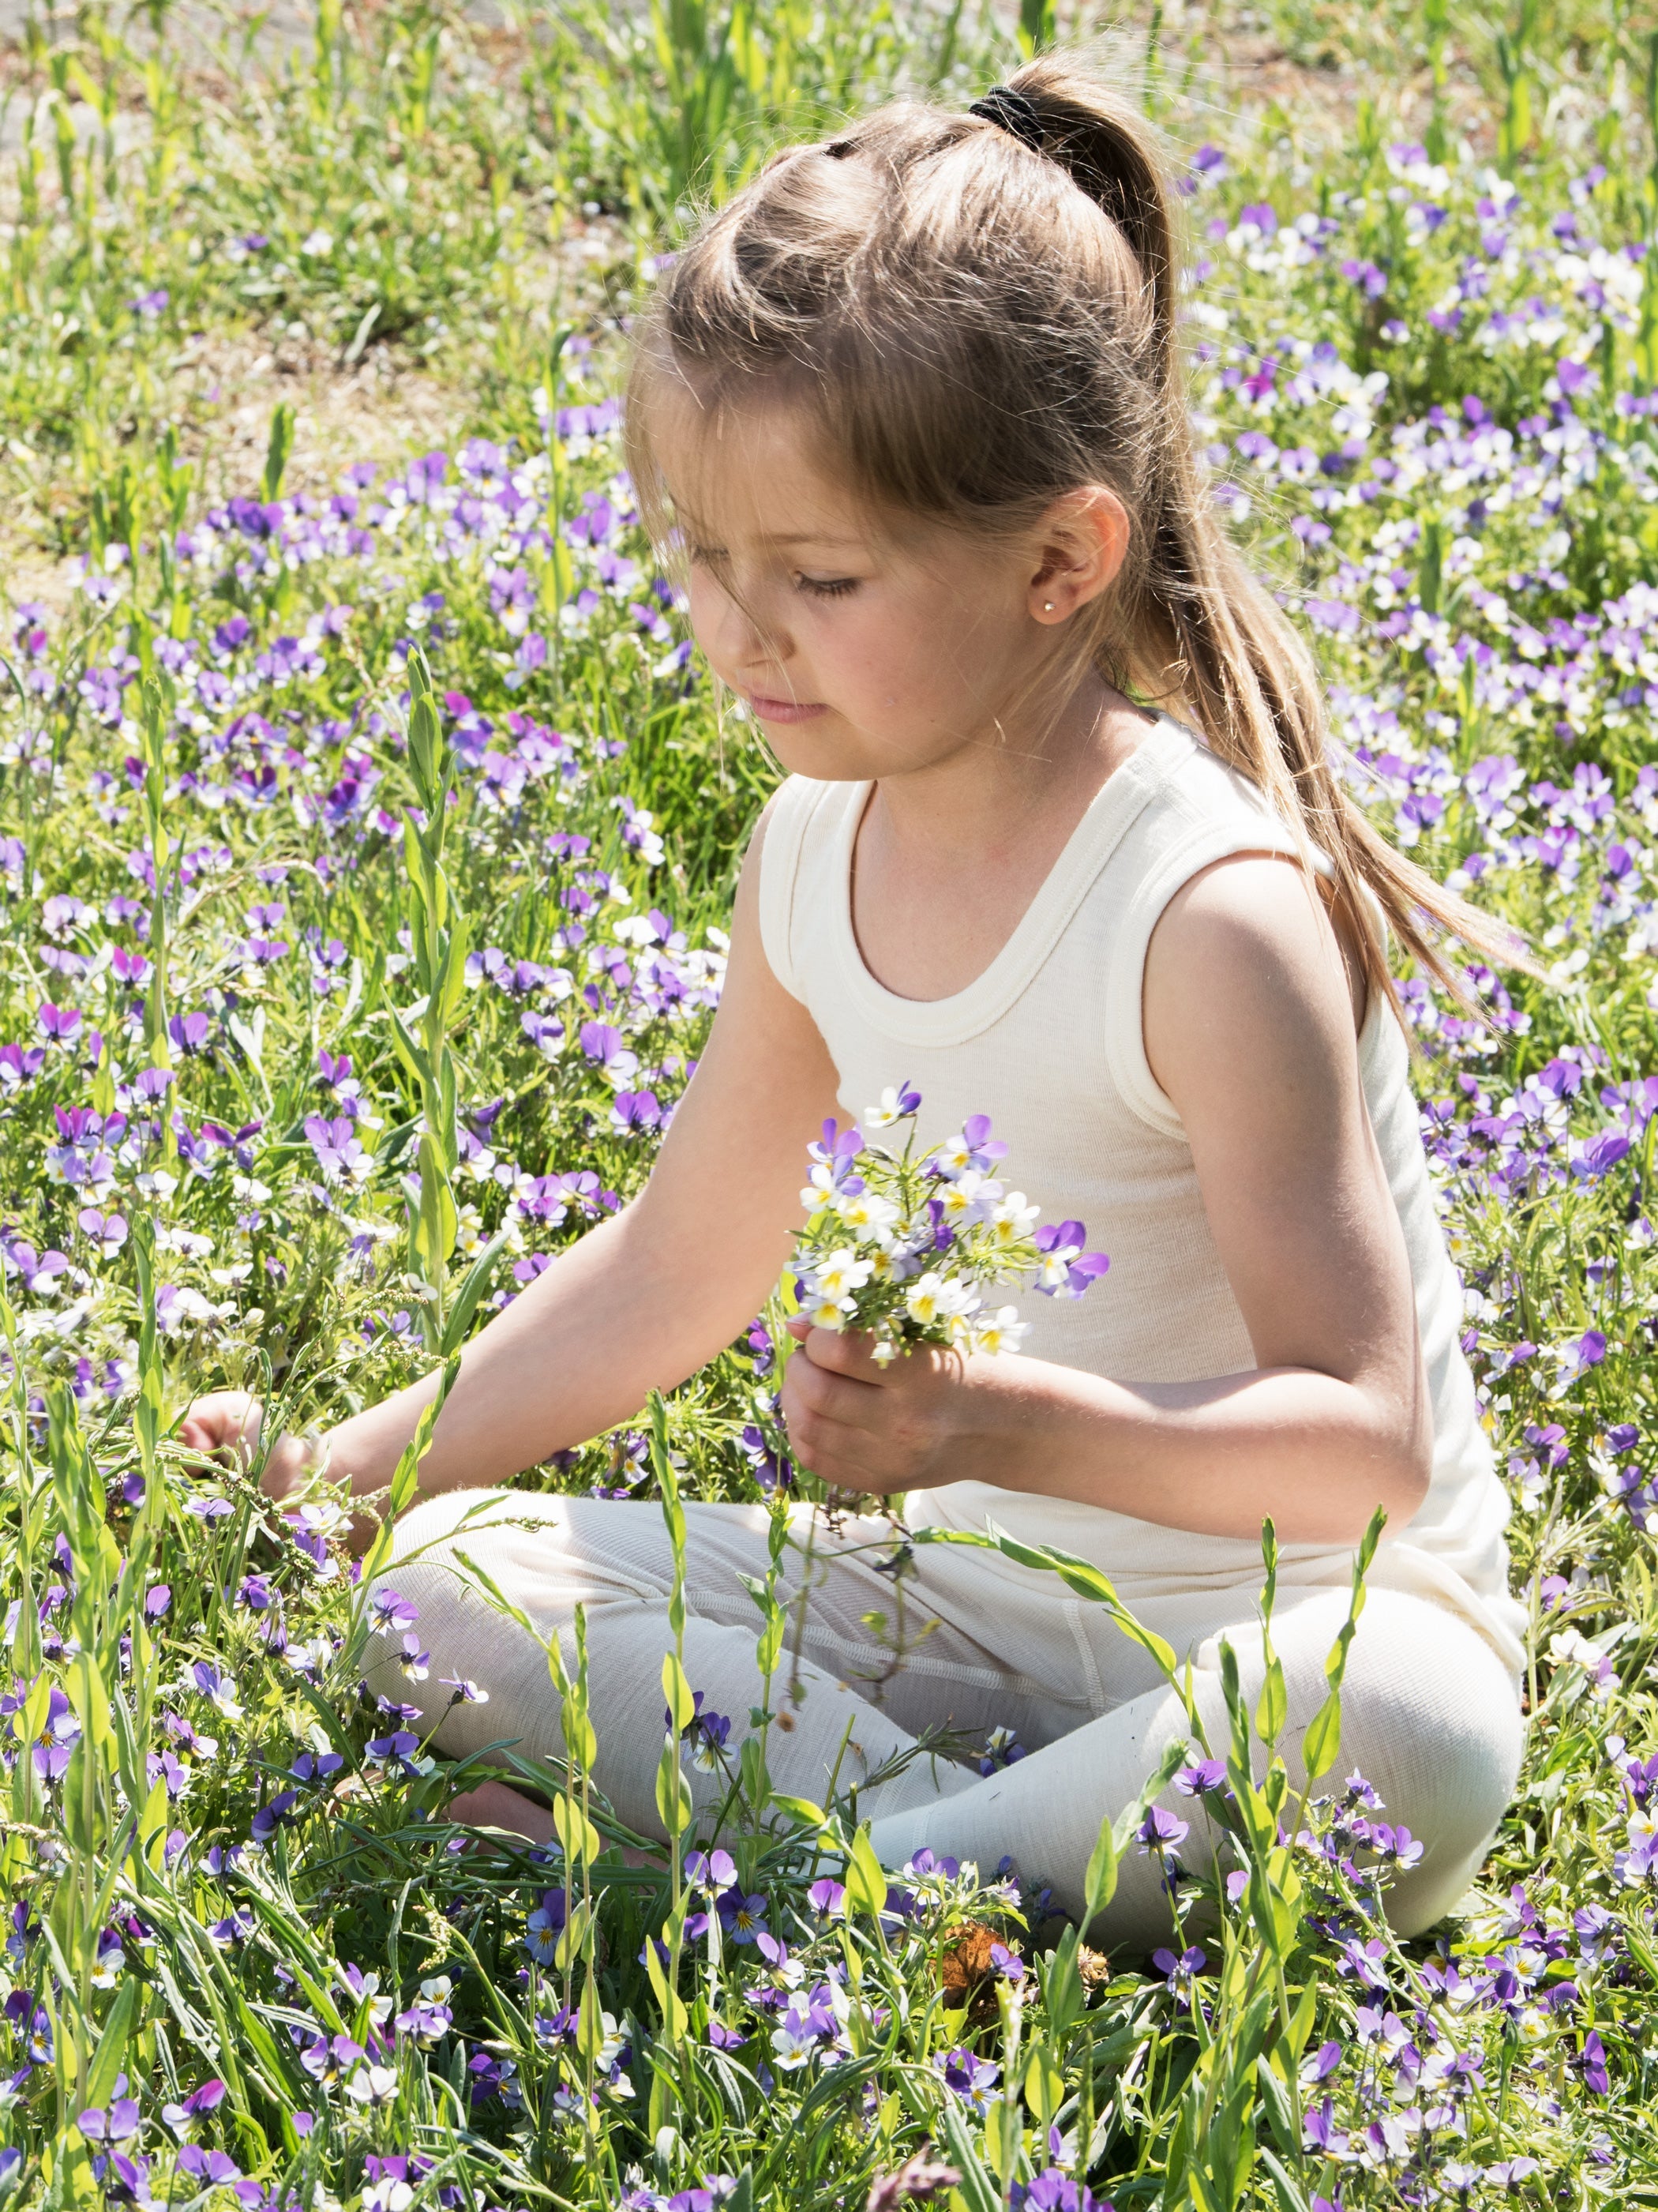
[{"x": 752, "y": 637}]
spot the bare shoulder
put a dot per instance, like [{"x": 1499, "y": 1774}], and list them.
[{"x": 1245, "y": 965}]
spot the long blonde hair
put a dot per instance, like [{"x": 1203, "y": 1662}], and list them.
[{"x": 978, "y": 314}]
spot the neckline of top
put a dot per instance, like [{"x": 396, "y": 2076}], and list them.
[{"x": 966, "y": 1013}]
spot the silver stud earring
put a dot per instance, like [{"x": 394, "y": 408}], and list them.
[{"x": 1047, "y": 606}]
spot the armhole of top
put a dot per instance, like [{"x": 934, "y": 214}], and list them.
[
  {"x": 1125, "y": 1018},
  {"x": 787, "y": 818}
]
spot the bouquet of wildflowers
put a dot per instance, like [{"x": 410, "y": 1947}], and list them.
[{"x": 914, "y": 1246}]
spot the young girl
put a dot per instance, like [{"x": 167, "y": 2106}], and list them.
[{"x": 912, "y": 406}]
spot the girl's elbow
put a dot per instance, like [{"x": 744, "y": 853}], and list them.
[
  {"x": 1399, "y": 1460},
  {"x": 1408, "y": 1472}
]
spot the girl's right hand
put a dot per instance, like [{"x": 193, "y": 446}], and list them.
[{"x": 225, "y": 1426}]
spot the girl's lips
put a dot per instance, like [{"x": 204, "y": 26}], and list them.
[{"x": 783, "y": 710}]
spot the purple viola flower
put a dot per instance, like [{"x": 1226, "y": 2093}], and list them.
[
  {"x": 971, "y": 2077},
  {"x": 602, "y": 1043},
  {"x": 1206, "y": 1778},
  {"x": 276, "y": 1815},
  {"x": 396, "y": 1752},
  {"x": 1161, "y": 1831},
  {"x": 317, "y": 1766},
  {"x": 212, "y": 2169},
  {"x": 1591, "y": 2065},
  {"x": 743, "y": 1917},
  {"x": 190, "y": 1032},
  {"x": 1055, "y": 2190},
  {"x": 706, "y": 1733},
  {"x": 546, "y": 1925},
  {"x": 339, "y": 1150},
  {"x": 710, "y": 1870},
  {"x": 635, "y": 1112},
  {"x": 113, "y": 2124},
  {"x": 1066, "y": 1271},
  {"x": 391, "y": 1613}
]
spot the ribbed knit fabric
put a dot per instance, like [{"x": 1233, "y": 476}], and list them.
[
  {"x": 1047, "y": 1042},
  {"x": 1429, "y": 1715}
]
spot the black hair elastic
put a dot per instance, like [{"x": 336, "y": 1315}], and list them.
[{"x": 1012, "y": 112}]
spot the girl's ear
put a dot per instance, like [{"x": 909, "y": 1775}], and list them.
[{"x": 1081, "y": 542}]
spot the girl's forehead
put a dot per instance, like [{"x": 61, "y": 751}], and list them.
[{"x": 750, "y": 476}]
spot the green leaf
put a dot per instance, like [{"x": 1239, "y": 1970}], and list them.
[
  {"x": 473, "y": 1284},
  {"x": 112, "y": 2042},
  {"x": 865, "y": 1878},
  {"x": 799, "y": 1808},
  {"x": 1099, "y": 1883},
  {"x": 1272, "y": 1706},
  {"x": 1276, "y": 2099},
  {"x": 277, "y": 451},
  {"x": 1321, "y": 1745},
  {"x": 977, "y": 2185},
  {"x": 682, "y": 1706},
  {"x": 673, "y": 1794},
  {"x": 1044, "y": 2084}
]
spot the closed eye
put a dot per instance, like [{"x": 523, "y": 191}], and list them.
[{"x": 826, "y": 587}]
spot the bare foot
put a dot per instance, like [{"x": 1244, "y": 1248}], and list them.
[{"x": 493, "y": 1805}]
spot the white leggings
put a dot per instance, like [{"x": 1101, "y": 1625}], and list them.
[{"x": 1430, "y": 1714}]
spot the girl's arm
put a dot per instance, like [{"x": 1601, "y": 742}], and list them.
[
  {"x": 644, "y": 1300},
  {"x": 1248, "y": 1026}
]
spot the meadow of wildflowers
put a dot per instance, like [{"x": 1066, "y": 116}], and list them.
[{"x": 363, "y": 851}]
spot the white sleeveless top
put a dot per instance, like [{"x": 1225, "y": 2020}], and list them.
[{"x": 1047, "y": 1042}]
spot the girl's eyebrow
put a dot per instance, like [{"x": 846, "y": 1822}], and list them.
[
  {"x": 708, "y": 540},
  {"x": 812, "y": 537}
]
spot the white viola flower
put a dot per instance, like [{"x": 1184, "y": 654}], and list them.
[
  {"x": 963, "y": 1335},
  {"x": 323, "y": 1517},
  {"x": 970, "y": 1198},
  {"x": 820, "y": 1188},
  {"x": 890, "y": 1109},
  {"x": 1013, "y": 1219},
  {"x": 865, "y": 1213},
  {"x": 837, "y": 1277},
  {"x": 932, "y": 1297},
  {"x": 1001, "y": 1331},
  {"x": 826, "y": 1313},
  {"x": 373, "y": 2085},
  {"x": 1055, "y": 1269}
]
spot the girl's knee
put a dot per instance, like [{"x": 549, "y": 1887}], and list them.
[
  {"x": 1431, "y": 1718},
  {"x": 435, "y": 1524}
]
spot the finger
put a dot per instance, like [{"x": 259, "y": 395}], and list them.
[
  {"x": 839, "y": 1456},
  {"x": 798, "y": 1327},
  {"x": 810, "y": 1389},
  {"x": 845, "y": 1352}
]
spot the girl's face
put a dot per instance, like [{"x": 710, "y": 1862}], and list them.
[{"x": 860, "y": 653}]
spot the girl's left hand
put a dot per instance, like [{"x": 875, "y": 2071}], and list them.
[{"x": 919, "y": 1422}]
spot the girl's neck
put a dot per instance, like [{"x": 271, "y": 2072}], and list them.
[
  {"x": 992, "y": 793},
  {"x": 948, "y": 858}
]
